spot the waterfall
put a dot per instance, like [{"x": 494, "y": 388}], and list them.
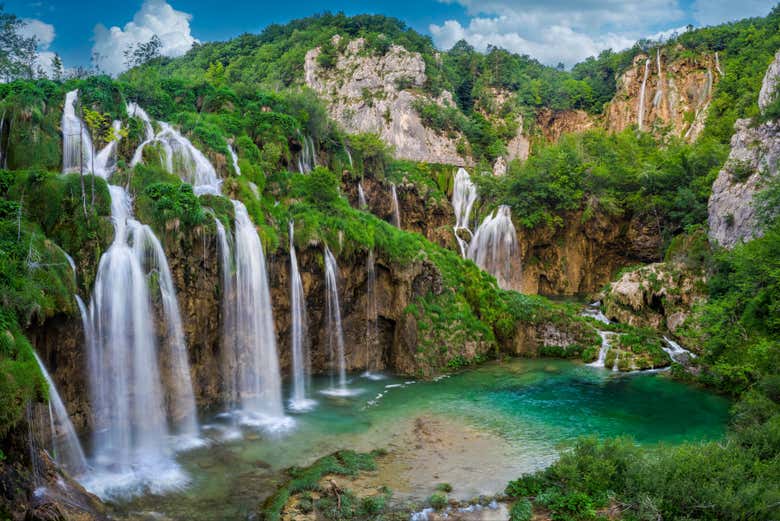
[
  {"x": 181, "y": 157},
  {"x": 396, "y": 208},
  {"x": 229, "y": 368},
  {"x": 259, "y": 385},
  {"x": 659, "y": 93},
  {"x": 717, "y": 64},
  {"x": 464, "y": 194},
  {"x": 494, "y": 244},
  {"x": 349, "y": 156},
  {"x": 676, "y": 352},
  {"x": 362, "y": 197},
  {"x": 606, "y": 338},
  {"x": 67, "y": 450},
  {"x": 77, "y": 150},
  {"x": 131, "y": 449},
  {"x": 372, "y": 324},
  {"x": 593, "y": 310},
  {"x": 234, "y": 157},
  {"x": 307, "y": 159},
  {"x": 641, "y": 109},
  {"x": 335, "y": 332},
  {"x": 299, "y": 336}
]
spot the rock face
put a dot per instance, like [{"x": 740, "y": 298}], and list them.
[
  {"x": 675, "y": 96},
  {"x": 658, "y": 295},
  {"x": 581, "y": 257},
  {"x": 368, "y": 93},
  {"x": 554, "y": 123},
  {"x": 754, "y": 159}
]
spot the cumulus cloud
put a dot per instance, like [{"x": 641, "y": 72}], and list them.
[
  {"x": 558, "y": 30},
  {"x": 156, "y": 17},
  {"x": 44, "y": 34}
]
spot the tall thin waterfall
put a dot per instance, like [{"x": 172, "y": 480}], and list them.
[
  {"x": 234, "y": 158},
  {"x": 259, "y": 385},
  {"x": 67, "y": 450},
  {"x": 335, "y": 332},
  {"x": 229, "y": 362},
  {"x": 606, "y": 340},
  {"x": 659, "y": 93},
  {"x": 77, "y": 150},
  {"x": 349, "y": 156},
  {"x": 307, "y": 159},
  {"x": 494, "y": 244},
  {"x": 641, "y": 109},
  {"x": 372, "y": 321},
  {"x": 362, "y": 197},
  {"x": 299, "y": 336},
  {"x": 396, "y": 208},
  {"x": 464, "y": 195}
]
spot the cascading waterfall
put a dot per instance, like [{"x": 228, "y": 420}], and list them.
[
  {"x": 335, "y": 332},
  {"x": 641, "y": 109},
  {"x": 131, "y": 432},
  {"x": 606, "y": 342},
  {"x": 299, "y": 336},
  {"x": 396, "y": 208},
  {"x": 77, "y": 150},
  {"x": 307, "y": 159},
  {"x": 234, "y": 158},
  {"x": 252, "y": 379},
  {"x": 67, "y": 450},
  {"x": 259, "y": 384},
  {"x": 676, "y": 352},
  {"x": 349, "y": 156},
  {"x": 362, "y": 197},
  {"x": 717, "y": 64},
  {"x": 464, "y": 195},
  {"x": 494, "y": 244}
]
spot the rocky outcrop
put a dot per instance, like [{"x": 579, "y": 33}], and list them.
[
  {"x": 659, "y": 94},
  {"x": 754, "y": 160},
  {"x": 659, "y": 296},
  {"x": 369, "y": 93},
  {"x": 582, "y": 256},
  {"x": 554, "y": 123}
]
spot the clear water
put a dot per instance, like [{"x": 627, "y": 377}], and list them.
[{"x": 527, "y": 409}]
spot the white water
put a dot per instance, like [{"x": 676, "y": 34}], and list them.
[
  {"x": 131, "y": 446},
  {"x": 334, "y": 330},
  {"x": 464, "y": 195},
  {"x": 396, "y": 208},
  {"x": 641, "y": 109},
  {"x": 349, "y": 156},
  {"x": 659, "y": 93},
  {"x": 676, "y": 352},
  {"x": 717, "y": 64},
  {"x": 594, "y": 311},
  {"x": 606, "y": 338},
  {"x": 259, "y": 384},
  {"x": 229, "y": 368},
  {"x": 67, "y": 450},
  {"x": 307, "y": 158},
  {"x": 299, "y": 334},
  {"x": 494, "y": 244},
  {"x": 362, "y": 197},
  {"x": 77, "y": 150},
  {"x": 372, "y": 317},
  {"x": 234, "y": 158}
]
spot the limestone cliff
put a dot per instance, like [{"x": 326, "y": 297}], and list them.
[
  {"x": 555, "y": 123},
  {"x": 369, "y": 93},
  {"x": 754, "y": 159},
  {"x": 667, "y": 95}
]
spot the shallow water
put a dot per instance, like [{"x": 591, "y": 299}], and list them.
[{"x": 480, "y": 429}]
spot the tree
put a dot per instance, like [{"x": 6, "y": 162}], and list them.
[
  {"x": 141, "y": 53},
  {"x": 215, "y": 74},
  {"x": 56, "y": 68},
  {"x": 17, "y": 52}
]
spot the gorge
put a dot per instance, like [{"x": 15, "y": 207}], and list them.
[{"x": 358, "y": 286}]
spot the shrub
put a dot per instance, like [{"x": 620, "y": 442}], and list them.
[
  {"x": 521, "y": 511},
  {"x": 438, "y": 500}
]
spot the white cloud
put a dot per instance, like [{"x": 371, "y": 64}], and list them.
[
  {"x": 42, "y": 31},
  {"x": 156, "y": 17},
  {"x": 711, "y": 12},
  {"x": 557, "y": 30}
]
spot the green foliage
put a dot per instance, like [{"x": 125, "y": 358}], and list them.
[
  {"x": 438, "y": 500},
  {"x": 172, "y": 202},
  {"x": 522, "y": 510},
  {"x": 444, "y": 487}
]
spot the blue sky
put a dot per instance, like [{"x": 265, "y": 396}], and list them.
[{"x": 552, "y": 30}]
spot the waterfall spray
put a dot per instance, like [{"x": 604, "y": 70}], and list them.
[
  {"x": 494, "y": 244},
  {"x": 396, "y": 208}
]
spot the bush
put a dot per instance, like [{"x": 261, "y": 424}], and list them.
[
  {"x": 522, "y": 510},
  {"x": 438, "y": 501}
]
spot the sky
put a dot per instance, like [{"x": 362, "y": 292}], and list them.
[{"x": 552, "y": 31}]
